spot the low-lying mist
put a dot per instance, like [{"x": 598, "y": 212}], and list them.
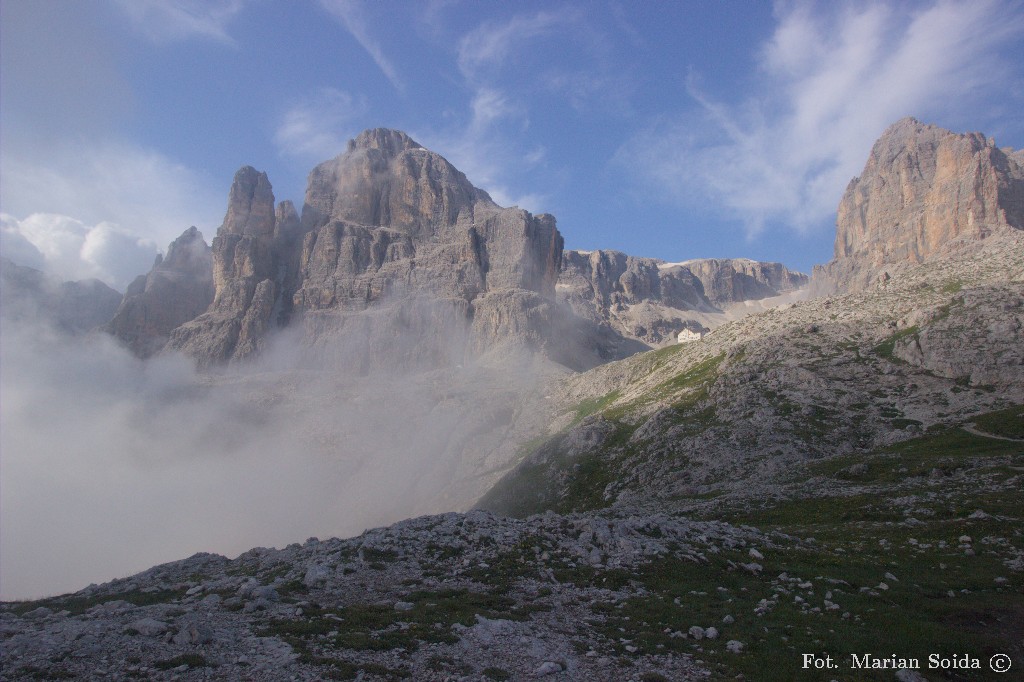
[{"x": 111, "y": 464}]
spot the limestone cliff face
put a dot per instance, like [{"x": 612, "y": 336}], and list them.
[
  {"x": 651, "y": 301},
  {"x": 389, "y": 217},
  {"x": 386, "y": 178},
  {"x": 176, "y": 290},
  {"x": 247, "y": 279},
  {"x": 384, "y": 224},
  {"x": 397, "y": 254},
  {"x": 388, "y": 222},
  {"x": 923, "y": 191},
  {"x": 735, "y": 280}
]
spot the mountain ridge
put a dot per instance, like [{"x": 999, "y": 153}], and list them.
[{"x": 387, "y": 221}]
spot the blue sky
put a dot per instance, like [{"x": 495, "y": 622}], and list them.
[{"x": 665, "y": 129}]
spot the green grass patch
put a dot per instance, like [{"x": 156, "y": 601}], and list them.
[
  {"x": 595, "y": 405},
  {"x": 948, "y": 450},
  {"x": 944, "y": 599},
  {"x": 784, "y": 610},
  {"x": 952, "y": 286},
  {"x": 886, "y": 348},
  {"x": 374, "y": 627},
  {"x": 550, "y": 480},
  {"x": 1008, "y": 423},
  {"x": 698, "y": 376},
  {"x": 375, "y": 555}
]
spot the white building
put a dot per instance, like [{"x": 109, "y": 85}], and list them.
[{"x": 686, "y": 336}]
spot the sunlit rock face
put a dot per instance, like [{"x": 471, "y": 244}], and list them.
[
  {"x": 385, "y": 224},
  {"x": 397, "y": 253},
  {"x": 924, "y": 192},
  {"x": 735, "y": 280},
  {"x": 389, "y": 216}
]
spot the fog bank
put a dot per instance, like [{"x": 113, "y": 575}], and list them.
[{"x": 110, "y": 464}]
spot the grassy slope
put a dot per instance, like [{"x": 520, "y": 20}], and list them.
[
  {"x": 902, "y": 514},
  {"x": 564, "y": 484},
  {"x": 900, "y": 510}
]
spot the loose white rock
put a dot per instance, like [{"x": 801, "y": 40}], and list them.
[{"x": 548, "y": 668}]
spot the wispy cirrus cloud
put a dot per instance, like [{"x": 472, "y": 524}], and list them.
[
  {"x": 492, "y": 43},
  {"x": 166, "y": 21},
  {"x": 318, "y": 127},
  {"x": 352, "y": 15},
  {"x": 488, "y": 146},
  {"x": 485, "y": 154},
  {"x": 832, "y": 80}
]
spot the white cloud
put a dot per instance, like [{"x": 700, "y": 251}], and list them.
[
  {"x": 582, "y": 67},
  {"x": 71, "y": 250},
  {"x": 147, "y": 194},
  {"x": 150, "y": 462},
  {"x": 352, "y": 16},
  {"x": 320, "y": 126},
  {"x": 832, "y": 82},
  {"x": 15, "y": 247},
  {"x": 489, "y": 148},
  {"x": 165, "y": 21},
  {"x": 65, "y": 106},
  {"x": 100, "y": 209}
]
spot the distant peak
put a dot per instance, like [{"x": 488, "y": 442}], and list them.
[
  {"x": 189, "y": 235},
  {"x": 905, "y": 128},
  {"x": 389, "y": 141},
  {"x": 906, "y": 122},
  {"x": 247, "y": 175}
]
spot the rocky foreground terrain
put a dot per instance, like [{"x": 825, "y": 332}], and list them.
[{"x": 842, "y": 475}]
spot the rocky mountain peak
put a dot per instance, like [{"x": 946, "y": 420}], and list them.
[
  {"x": 246, "y": 258},
  {"x": 74, "y": 307},
  {"x": 250, "y": 204},
  {"x": 176, "y": 290},
  {"x": 391, "y": 142},
  {"x": 188, "y": 252},
  {"x": 651, "y": 301},
  {"x": 386, "y": 179},
  {"x": 388, "y": 226},
  {"x": 923, "y": 191}
]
